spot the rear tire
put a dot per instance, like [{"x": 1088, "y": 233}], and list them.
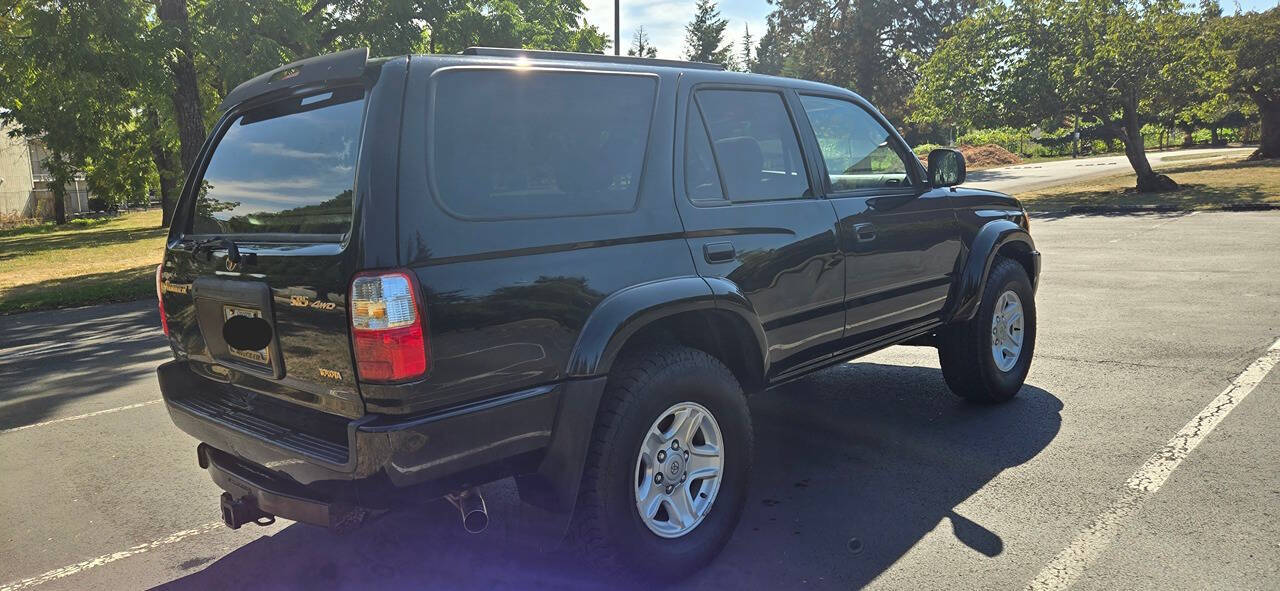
[
  {"x": 645, "y": 390},
  {"x": 986, "y": 359}
]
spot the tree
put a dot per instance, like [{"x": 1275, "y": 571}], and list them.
[
  {"x": 640, "y": 46},
  {"x": 771, "y": 51},
  {"x": 704, "y": 35},
  {"x": 175, "y": 27},
  {"x": 1116, "y": 63},
  {"x": 68, "y": 75},
  {"x": 746, "y": 61},
  {"x": 1252, "y": 45},
  {"x": 870, "y": 46}
]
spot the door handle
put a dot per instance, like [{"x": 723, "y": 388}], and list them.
[
  {"x": 718, "y": 252},
  {"x": 864, "y": 232}
]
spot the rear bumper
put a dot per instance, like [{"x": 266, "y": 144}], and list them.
[{"x": 539, "y": 435}]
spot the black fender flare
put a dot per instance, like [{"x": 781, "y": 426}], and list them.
[
  {"x": 967, "y": 291},
  {"x": 554, "y": 483},
  {"x": 626, "y": 311}
]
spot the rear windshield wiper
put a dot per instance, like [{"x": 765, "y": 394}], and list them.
[{"x": 215, "y": 243}]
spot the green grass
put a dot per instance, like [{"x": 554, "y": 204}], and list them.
[
  {"x": 87, "y": 261},
  {"x": 1204, "y": 185}
]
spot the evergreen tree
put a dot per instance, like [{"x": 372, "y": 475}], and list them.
[
  {"x": 704, "y": 35},
  {"x": 771, "y": 52},
  {"x": 640, "y": 45},
  {"x": 747, "y": 62}
]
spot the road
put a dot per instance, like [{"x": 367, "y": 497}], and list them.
[
  {"x": 869, "y": 473},
  {"x": 1039, "y": 175}
]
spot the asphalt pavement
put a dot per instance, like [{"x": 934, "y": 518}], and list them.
[
  {"x": 866, "y": 474},
  {"x": 1039, "y": 175}
]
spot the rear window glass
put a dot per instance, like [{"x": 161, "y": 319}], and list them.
[
  {"x": 521, "y": 143},
  {"x": 286, "y": 168}
]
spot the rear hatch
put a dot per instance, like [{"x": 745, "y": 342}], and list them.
[{"x": 255, "y": 277}]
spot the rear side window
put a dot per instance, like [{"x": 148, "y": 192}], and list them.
[
  {"x": 285, "y": 168},
  {"x": 527, "y": 143},
  {"x": 755, "y": 145}
]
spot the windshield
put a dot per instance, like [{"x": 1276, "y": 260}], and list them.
[{"x": 287, "y": 167}]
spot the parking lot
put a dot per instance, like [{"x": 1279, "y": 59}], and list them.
[{"x": 869, "y": 473}]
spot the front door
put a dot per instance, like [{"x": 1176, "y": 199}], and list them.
[
  {"x": 900, "y": 241},
  {"x": 753, "y": 218}
]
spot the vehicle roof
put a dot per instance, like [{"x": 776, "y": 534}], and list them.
[
  {"x": 598, "y": 62},
  {"x": 350, "y": 64}
]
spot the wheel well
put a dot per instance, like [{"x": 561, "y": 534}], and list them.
[
  {"x": 717, "y": 332},
  {"x": 1020, "y": 253}
]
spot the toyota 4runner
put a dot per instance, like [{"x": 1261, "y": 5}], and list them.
[{"x": 400, "y": 278}]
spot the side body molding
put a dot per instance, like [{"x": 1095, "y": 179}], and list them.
[{"x": 967, "y": 291}]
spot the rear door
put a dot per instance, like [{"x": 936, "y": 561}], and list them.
[
  {"x": 752, "y": 217},
  {"x": 277, "y": 188}
]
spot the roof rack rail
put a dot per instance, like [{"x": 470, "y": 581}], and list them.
[{"x": 540, "y": 54}]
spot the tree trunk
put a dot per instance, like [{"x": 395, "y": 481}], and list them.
[
  {"x": 169, "y": 188},
  {"x": 1187, "y": 138},
  {"x": 166, "y": 168},
  {"x": 1135, "y": 149},
  {"x": 1213, "y": 135},
  {"x": 1269, "y": 138},
  {"x": 58, "y": 171},
  {"x": 187, "y": 107}
]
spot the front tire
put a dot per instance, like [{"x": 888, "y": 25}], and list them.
[
  {"x": 986, "y": 359},
  {"x": 666, "y": 476}
]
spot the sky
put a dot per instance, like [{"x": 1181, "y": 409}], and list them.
[{"x": 664, "y": 20}]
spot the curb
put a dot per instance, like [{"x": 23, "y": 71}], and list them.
[{"x": 1161, "y": 208}]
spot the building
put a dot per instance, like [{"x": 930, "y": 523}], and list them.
[{"x": 25, "y": 183}]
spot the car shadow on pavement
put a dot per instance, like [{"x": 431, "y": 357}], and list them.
[{"x": 853, "y": 466}]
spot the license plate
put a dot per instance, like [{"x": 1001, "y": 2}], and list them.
[{"x": 261, "y": 356}]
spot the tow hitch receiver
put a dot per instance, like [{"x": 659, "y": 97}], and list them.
[{"x": 237, "y": 512}]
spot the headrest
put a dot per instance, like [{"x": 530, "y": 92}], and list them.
[{"x": 740, "y": 156}]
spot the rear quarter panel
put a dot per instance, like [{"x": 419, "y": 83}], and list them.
[{"x": 507, "y": 299}]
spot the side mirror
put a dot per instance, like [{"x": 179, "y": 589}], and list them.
[{"x": 946, "y": 167}]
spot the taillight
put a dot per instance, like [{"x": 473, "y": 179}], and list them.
[
  {"x": 164, "y": 321},
  {"x": 387, "y": 328}
]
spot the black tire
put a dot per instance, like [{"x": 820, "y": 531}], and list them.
[
  {"x": 964, "y": 349},
  {"x": 607, "y": 526}
]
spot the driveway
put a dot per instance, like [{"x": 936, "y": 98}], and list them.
[
  {"x": 869, "y": 473},
  {"x": 1029, "y": 177}
]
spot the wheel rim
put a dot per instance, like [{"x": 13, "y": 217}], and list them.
[
  {"x": 1006, "y": 330},
  {"x": 678, "y": 469}
]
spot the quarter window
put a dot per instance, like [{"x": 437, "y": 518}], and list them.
[
  {"x": 755, "y": 145},
  {"x": 528, "y": 143},
  {"x": 859, "y": 152}
]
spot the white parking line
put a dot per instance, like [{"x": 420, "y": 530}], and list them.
[
  {"x": 67, "y": 571},
  {"x": 83, "y": 416},
  {"x": 1068, "y": 565},
  {"x": 1148, "y": 229}
]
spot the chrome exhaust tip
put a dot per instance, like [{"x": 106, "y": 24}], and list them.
[{"x": 471, "y": 507}]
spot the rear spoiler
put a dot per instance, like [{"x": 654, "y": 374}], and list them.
[{"x": 318, "y": 70}]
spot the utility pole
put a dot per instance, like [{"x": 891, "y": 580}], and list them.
[{"x": 617, "y": 43}]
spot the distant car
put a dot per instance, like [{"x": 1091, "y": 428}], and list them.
[{"x": 401, "y": 278}]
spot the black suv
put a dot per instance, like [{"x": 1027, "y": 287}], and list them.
[{"x": 401, "y": 278}]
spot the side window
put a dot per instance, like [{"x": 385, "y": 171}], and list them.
[
  {"x": 530, "y": 143},
  {"x": 858, "y": 150},
  {"x": 700, "y": 178},
  {"x": 754, "y": 144}
]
